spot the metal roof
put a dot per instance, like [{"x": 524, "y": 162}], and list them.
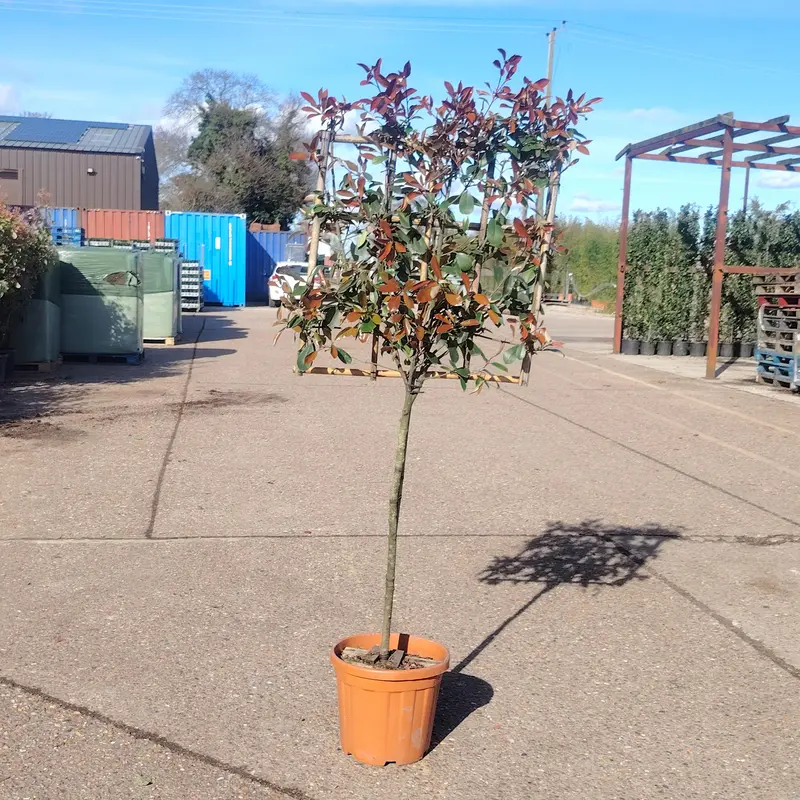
[{"x": 73, "y": 135}]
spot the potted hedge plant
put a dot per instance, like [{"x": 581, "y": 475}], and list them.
[
  {"x": 25, "y": 251},
  {"x": 431, "y": 290}
]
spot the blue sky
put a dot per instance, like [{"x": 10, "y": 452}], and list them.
[{"x": 118, "y": 60}]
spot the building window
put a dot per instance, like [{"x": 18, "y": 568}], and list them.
[{"x": 9, "y": 174}]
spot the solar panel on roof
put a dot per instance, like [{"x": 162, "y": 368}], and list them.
[
  {"x": 52, "y": 131},
  {"x": 98, "y": 137},
  {"x": 5, "y": 127}
]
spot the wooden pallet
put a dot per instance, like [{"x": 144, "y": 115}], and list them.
[
  {"x": 167, "y": 340},
  {"x": 39, "y": 366},
  {"x": 104, "y": 358}
]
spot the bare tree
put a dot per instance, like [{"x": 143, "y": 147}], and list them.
[
  {"x": 171, "y": 146},
  {"x": 238, "y": 90}
]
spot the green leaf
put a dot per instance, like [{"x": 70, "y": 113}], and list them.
[
  {"x": 301, "y": 356},
  {"x": 462, "y": 371},
  {"x": 494, "y": 233},
  {"x": 466, "y": 204},
  {"x": 368, "y": 326},
  {"x": 514, "y": 353},
  {"x": 379, "y": 159},
  {"x": 344, "y": 356},
  {"x": 473, "y": 346},
  {"x": 463, "y": 382},
  {"x": 464, "y": 262},
  {"x": 500, "y": 366}
]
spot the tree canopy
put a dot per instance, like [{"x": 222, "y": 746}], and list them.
[{"x": 228, "y": 149}]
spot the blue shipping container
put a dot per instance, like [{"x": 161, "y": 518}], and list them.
[
  {"x": 62, "y": 217},
  {"x": 219, "y": 243},
  {"x": 264, "y": 251}
]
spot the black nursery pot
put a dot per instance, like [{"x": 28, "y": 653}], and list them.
[
  {"x": 746, "y": 350},
  {"x": 664, "y": 348},
  {"x": 630, "y": 347},
  {"x": 727, "y": 350},
  {"x": 647, "y": 348},
  {"x": 697, "y": 349},
  {"x": 6, "y": 365},
  {"x": 680, "y": 349}
]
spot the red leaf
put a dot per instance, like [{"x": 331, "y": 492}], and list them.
[
  {"x": 389, "y": 287},
  {"x": 298, "y": 156},
  {"x": 444, "y": 328},
  {"x": 308, "y": 98},
  {"x": 467, "y": 282},
  {"x": 437, "y": 271},
  {"x": 519, "y": 227},
  {"x": 470, "y": 323}
]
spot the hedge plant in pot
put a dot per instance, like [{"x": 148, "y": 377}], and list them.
[
  {"x": 25, "y": 251},
  {"x": 430, "y": 294}
]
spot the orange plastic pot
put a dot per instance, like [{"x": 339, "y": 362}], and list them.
[{"x": 387, "y": 715}]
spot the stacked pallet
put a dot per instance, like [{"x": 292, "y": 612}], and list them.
[
  {"x": 778, "y": 352},
  {"x": 191, "y": 286},
  {"x": 66, "y": 237}
]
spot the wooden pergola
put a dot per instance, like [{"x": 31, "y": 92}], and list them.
[{"x": 719, "y": 141}]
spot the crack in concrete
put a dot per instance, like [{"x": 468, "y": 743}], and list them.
[
  {"x": 148, "y": 533},
  {"x": 155, "y": 738}
]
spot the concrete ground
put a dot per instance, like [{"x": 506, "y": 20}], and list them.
[{"x": 611, "y": 554}]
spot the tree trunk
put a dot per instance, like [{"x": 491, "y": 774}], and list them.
[{"x": 395, "y": 498}]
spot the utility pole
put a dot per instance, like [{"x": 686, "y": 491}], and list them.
[
  {"x": 552, "y": 189},
  {"x": 551, "y": 52}
]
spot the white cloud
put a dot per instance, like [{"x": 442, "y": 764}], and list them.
[
  {"x": 585, "y": 204},
  {"x": 9, "y": 102},
  {"x": 780, "y": 180}
]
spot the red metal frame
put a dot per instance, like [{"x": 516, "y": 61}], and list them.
[{"x": 706, "y": 134}]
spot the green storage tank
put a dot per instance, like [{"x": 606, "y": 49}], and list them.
[
  {"x": 162, "y": 295},
  {"x": 37, "y": 339},
  {"x": 102, "y": 304}
]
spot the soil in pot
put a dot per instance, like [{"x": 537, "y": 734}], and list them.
[
  {"x": 630, "y": 347},
  {"x": 680, "y": 349},
  {"x": 727, "y": 350},
  {"x": 647, "y": 348},
  {"x": 398, "y": 659},
  {"x": 386, "y": 715},
  {"x": 664, "y": 348},
  {"x": 697, "y": 349}
]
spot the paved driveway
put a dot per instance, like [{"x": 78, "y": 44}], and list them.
[{"x": 612, "y": 555}]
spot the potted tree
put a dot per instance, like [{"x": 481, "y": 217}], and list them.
[
  {"x": 440, "y": 257},
  {"x": 25, "y": 251}
]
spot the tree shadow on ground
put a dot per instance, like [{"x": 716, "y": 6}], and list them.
[
  {"x": 589, "y": 553},
  {"x": 30, "y": 395},
  {"x": 586, "y": 554}
]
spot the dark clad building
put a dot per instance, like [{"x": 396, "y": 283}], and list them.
[{"x": 75, "y": 164}]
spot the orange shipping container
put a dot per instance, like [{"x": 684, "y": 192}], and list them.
[{"x": 126, "y": 225}]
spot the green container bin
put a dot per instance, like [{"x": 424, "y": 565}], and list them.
[
  {"x": 37, "y": 338},
  {"x": 102, "y": 305},
  {"x": 162, "y": 295}
]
